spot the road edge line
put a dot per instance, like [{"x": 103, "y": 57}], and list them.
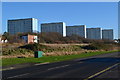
[{"x": 98, "y": 73}]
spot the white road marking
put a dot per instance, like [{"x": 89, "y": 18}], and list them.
[
  {"x": 41, "y": 63},
  {"x": 43, "y": 71},
  {"x": 80, "y": 62},
  {"x": 19, "y": 75},
  {"x": 11, "y": 67},
  {"x": 14, "y": 67},
  {"x": 77, "y": 59},
  {"x": 58, "y": 67},
  {"x": 7, "y": 69}
]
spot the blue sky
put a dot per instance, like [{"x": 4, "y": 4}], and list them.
[{"x": 92, "y": 14}]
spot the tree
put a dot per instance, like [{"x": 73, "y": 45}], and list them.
[
  {"x": 49, "y": 37},
  {"x": 6, "y": 35}
]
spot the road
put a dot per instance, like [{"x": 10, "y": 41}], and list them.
[{"x": 81, "y": 69}]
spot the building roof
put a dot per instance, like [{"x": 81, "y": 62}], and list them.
[
  {"x": 106, "y": 29},
  {"x": 53, "y": 23},
  {"x": 21, "y": 19},
  {"x": 94, "y": 28},
  {"x": 76, "y": 26}
]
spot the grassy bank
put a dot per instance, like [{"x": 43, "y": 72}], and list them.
[{"x": 12, "y": 61}]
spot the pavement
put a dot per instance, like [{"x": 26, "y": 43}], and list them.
[
  {"x": 112, "y": 73},
  {"x": 106, "y": 66}
]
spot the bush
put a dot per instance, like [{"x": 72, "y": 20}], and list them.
[
  {"x": 34, "y": 47},
  {"x": 44, "y": 48},
  {"x": 16, "y": 51},
  {"x": 98, "y": 46}
]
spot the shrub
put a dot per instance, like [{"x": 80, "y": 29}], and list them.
[
  {"x": 34, "y": 47},
  {"x": 16, "y": 51},
  {"x": 98, "y": 46}
]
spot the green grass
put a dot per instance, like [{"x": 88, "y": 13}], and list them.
[{"x": 12, "y": 61}]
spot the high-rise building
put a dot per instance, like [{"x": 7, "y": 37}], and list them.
[
  {"x": 93, "y": 33},
  {"x": 59, "y": 27},
  {"x": 22, "y": 25},
  {"x": 107, "y": 34},
  {"x": 79, "y": 30}
]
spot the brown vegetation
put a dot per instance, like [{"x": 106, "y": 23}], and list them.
[{"x": 54, "y": 44}]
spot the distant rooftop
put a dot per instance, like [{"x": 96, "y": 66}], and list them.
[
  {"x": 53, "y": 23},
  {"x": 107, "y": 29},
  {"x": 94, "y": 28},
  {"x": 76, "y": 26},
  {"x": 20, "y": 19}
]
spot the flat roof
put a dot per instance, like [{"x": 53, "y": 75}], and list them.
[
  {"x": 20, "y": 19},
  {"x": 53, "y": 23},
  {"x": 76, "y": 26},
  {"x": 107, "y": 29},
  {"x": 94, "y": 28}
]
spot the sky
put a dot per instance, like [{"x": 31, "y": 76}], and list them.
[
  {"x": 60, "y": 0},
  {"x": 91, "y": 14}
]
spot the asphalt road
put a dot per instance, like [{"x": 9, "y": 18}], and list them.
[{"x": 81, "y": 69}]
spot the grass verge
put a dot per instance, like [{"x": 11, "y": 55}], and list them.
[{"x": 12, "y": 61}]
